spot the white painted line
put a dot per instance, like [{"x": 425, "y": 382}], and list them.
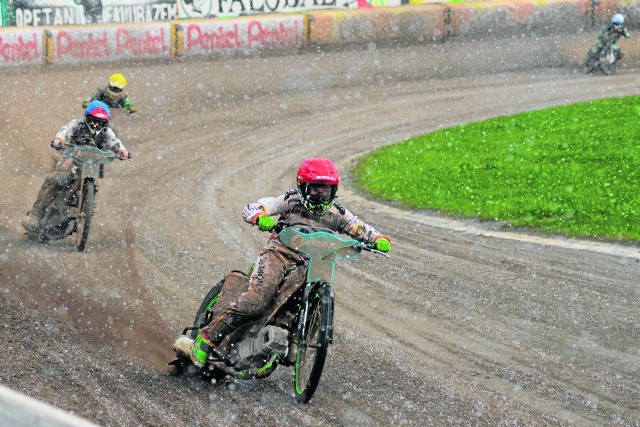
[{"x": 20, "y": 410}]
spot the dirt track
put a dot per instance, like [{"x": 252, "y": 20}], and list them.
[{"x": 464, "y": 325}]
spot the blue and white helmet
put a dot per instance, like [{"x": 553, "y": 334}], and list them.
[
  {"x": 618, "y": 19},
  {"x": 96, "y": 116}
]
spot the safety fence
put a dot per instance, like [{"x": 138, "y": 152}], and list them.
[{"x": 295, "y": 32}]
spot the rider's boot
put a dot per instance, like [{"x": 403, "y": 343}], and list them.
[
  {"x": 45, "y": 197},
  {"x": 198, "y": 350}
]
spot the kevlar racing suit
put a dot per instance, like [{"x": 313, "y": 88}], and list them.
[
  {"x": 120, "y": 100},
  {"x": 610, "y": 35},
  {"x": 75, "y": 132},
  {"x": 276, "y": 261}
]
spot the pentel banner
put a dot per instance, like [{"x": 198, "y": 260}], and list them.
[
  {"x": 108, "y": 43},
  {"x": 210, "y": 37},
  {"x": 21, "y": 47},
  {"x": 36, "y": 13}
]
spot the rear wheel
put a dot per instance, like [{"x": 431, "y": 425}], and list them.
[
  {"x": 203, "y": 317},
  {"x": 313, "y": 346},
  {"x": 204, "y": 312},
  {"x": 607, "y": 61},
  {"x": 85, "y": 215}
]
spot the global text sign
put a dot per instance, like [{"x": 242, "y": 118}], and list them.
[{"x": 229, "y": 8}]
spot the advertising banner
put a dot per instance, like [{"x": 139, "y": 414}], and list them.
[
  {"x": 108, "y": 43},
  {"x": 36, "y": 13},
  {"x": 20, "y": 47},
  {"x": 231, "y": 8},
  {"x": 207, "y": 37}
]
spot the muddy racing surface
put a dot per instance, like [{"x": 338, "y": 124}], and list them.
[{"x": 467, "y": 323}]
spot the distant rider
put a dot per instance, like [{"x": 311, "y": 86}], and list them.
[
  {"x": 114, "y": 94},
  {"x": 610, "y": 35},
  {"x": 311, "y": 203},
  {"x": 92, "y": 129}
]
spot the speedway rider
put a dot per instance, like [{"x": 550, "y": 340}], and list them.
[
  {"x": 311, "y": 203},
  {"x": 114, "y": 94},
  {"x": 610, "y": 35},
  {"x": 92, "y": 129}
]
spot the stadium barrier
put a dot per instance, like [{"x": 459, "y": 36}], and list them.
[{"x": 427, "y": 23}]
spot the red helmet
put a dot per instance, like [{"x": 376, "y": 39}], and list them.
[{"x": 318, "y": 181}]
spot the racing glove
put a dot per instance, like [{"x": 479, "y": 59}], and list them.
[
  {"x": 124, "y": 154},
  {"x": 383, "y": 244},
  {"x": 58, "y": 143},
  {"x": 265, "y": 223},
  {"x": 85, "y": 104}
]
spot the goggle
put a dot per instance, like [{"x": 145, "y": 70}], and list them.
[
  {"x": 320, "y": 193},
  {"x": 323, "y": 190},
  {"x": 95, "y": 123},
  {"x": 115, "y": 89}
]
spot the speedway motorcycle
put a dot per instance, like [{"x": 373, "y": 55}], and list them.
[
  {"x": 297, "y": 330},
  {"x": 72, "y": 210},
  {"x": 603, "y": 60}
]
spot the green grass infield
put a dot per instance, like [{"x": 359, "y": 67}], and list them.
[{"x": 572, "y": 170}]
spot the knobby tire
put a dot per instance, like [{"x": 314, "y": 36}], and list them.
[
  {"x": 85, "y": 215},
  {"x": 202, "y": 316},
  {"x": 313, "y": 346}
]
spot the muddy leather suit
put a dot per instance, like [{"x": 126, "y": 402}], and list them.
[
  {"x": 119, "y": 101},
  {"x": 277, "y": 261},
  {"x": 75, "y": 132},
  {"x": 610, "y": 34}
]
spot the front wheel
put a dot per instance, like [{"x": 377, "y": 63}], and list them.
[
  {"x": 85, "y": 214},
  {"x": 313, "y": 345}
]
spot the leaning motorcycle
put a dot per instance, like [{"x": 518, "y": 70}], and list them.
[
  {"x": 298, "y": 329},
  {"x": 72, "y": 210},
  {"x": 603, "y": 60}
]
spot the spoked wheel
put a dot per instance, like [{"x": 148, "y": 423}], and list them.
[
  {"x": 85, "y": 215},
  {"x": 313, "y": 346}
]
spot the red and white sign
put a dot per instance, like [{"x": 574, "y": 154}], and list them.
[
  {"x": 20, "y": 47},
  {"x": 108, "y": 43},
  {"x": 202, "y": 38}
]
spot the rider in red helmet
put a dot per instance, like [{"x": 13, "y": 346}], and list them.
[{"x": 312, "y": 203}]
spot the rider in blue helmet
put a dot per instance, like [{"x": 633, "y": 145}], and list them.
[
  {"x": 97, "y": 104},
  {"x": 610, "y": 35},
  {"x": 92, "y": 129},
  {"x": 96, "y": 116}
]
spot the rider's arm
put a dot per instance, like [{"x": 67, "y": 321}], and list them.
[
  {"x": 358, "y": 229},
  {"x": 95, "y": 95},
  {"x": 111, "y": 142},
  {"x": 64, "y": 135},
  {"x": 266, "y": 206}
]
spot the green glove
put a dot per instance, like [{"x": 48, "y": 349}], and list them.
[
  {"x": 383, "y": 244},
  {"x": 265, "y": 223},
  {"x": 85, "y": 104}
]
